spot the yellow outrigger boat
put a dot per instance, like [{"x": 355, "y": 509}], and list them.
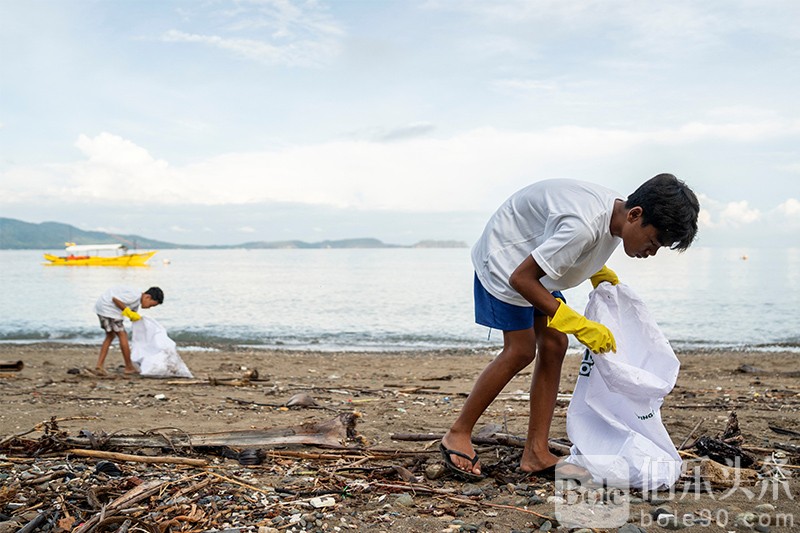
[{"x": 99, "y": 255}]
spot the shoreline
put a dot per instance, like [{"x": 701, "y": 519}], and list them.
[{"x": 761, "y": 349}]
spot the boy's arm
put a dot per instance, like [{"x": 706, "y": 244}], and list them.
[
  {"x": 525, "y": 280},
  {"x": 126, "y": 311}
]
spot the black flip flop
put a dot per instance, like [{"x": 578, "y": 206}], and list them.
[
  {"x": 452, "y": 467},
  {"x": 550, "y": 472}
]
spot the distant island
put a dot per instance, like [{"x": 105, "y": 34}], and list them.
[{"x": 19, "y": 235}]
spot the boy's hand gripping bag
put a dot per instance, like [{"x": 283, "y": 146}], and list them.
[
  {"x": 154, "y": 352},
  {"x": 614, "y": 418}
]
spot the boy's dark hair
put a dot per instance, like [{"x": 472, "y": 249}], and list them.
[
  {"x": 156, "y": 294},
  {"x": 669, "y": 205}
]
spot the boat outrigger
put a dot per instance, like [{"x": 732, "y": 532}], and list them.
[{"x": 99, "y": 255}]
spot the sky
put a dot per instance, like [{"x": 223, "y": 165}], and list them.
[{"x": 230, "y": 121}]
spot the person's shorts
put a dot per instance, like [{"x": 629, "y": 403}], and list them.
[
  {"x": 496, "y": 314},
  {"x": 111, "y": 324}
]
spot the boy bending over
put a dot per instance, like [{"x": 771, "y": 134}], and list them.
[
  {"x": 115, "y": 303},
  {"x": 548, "y": 237}
]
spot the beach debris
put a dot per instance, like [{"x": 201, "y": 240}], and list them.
[
  {"x": 731, "y": 434},
  {"x": 250, "y": 374},
  {"x": 11, "y": 366},
  {"x": 319, "y": 503},
  {"x": 108, "y": 468},
  {"x": 722, "y": 452},
  {"x": 783, "y": 431},
  {"x": 334, "y": 433},
  {"x": 247, "y": 487},
  {"x": 301, "y": 399},
  {"x": 689, "y": 436},
  {"x": 720, "y": 475},
  {"x": 749, "y": 369},
  {"x": 251, "y": 457}
]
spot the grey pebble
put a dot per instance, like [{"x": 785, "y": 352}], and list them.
[
  {"x": 405, "y": 499},
  {"x": 655, "y": 513},
  {"x": 471, "y": 490}
]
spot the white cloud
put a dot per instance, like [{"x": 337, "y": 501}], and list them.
[
  {"x": 793, "y": 168},
  {"x": 274, "y": 32},
  {"x": 734, "y": 131},
  {"x": 302, "y": 53},
  {"x": 726, "y": 215},
  {"x": 246, "y": 229},
  {"x": 179, "y": 229},
  {"x": 473, "y": 170},
  {"x": 525, "y": 85},
  {"x": 790, "y": 208},
  {"x": 738, "y": 213}
]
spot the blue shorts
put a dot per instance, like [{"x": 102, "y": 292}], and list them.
[{"x": 496, "y": 314}]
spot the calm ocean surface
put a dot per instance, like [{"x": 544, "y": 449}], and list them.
[{"x": 389, "y": 299}]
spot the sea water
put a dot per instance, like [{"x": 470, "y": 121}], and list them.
[{"x": 390, "y": 299}]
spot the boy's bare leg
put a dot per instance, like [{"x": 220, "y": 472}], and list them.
[
  {"x": 552, "y": 347},
  {"x": 101, "y": 361},
  {"x": 126, "y": 352},
  {"x": 519, "y": 349}
]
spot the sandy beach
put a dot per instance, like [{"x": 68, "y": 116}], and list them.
[{"x": 394, "y": 393}]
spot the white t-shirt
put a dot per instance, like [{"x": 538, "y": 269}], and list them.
[
  {"x": 105, "y": 304},
  {"x": 564, "y": 224}
]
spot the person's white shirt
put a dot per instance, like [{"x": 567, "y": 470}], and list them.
[
  {"x": 127, "y": 295},
  {"x": 564, "y": 224}
]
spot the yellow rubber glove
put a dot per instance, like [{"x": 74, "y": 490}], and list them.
[
  {"x": 133, "y": 315},
  {"x": 604, "y": 274},
  {"x": 593, "y": 335}
]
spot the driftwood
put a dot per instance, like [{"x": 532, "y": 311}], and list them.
[
  {"x": 787, "y": 447},
  {"x": 332, "y": 433},
  {"x": 139, "y": 458},
  {"x": 136, "y": 494},
  {"x": 689, "y": 436},
  {"x": 783, "y": 431},
  {"x": 722, "y": 452},
  {"x": 750, "y": 369},
  {"x": 11, "y": 366}
]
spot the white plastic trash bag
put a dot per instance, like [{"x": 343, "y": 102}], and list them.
[
  {"x": 614, "y": 418},
  {"x": 155, "y": 352}
]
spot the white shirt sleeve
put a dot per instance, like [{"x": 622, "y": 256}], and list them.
[{"x": 562, "y": 249}]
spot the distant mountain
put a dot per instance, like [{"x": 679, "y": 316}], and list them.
[
  {"x": 344, "y": 243},
  {"x": 19, "y": 235}
]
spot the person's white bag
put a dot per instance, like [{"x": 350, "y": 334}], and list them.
[
  {"x": 614, "y": 418},
  {"x": 154, "y": 352}
]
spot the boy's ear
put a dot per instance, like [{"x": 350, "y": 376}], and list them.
[{"x": 634, "y": 214}]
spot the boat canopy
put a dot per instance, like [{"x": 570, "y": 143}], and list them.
[{"x": 78, "y": 248}]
